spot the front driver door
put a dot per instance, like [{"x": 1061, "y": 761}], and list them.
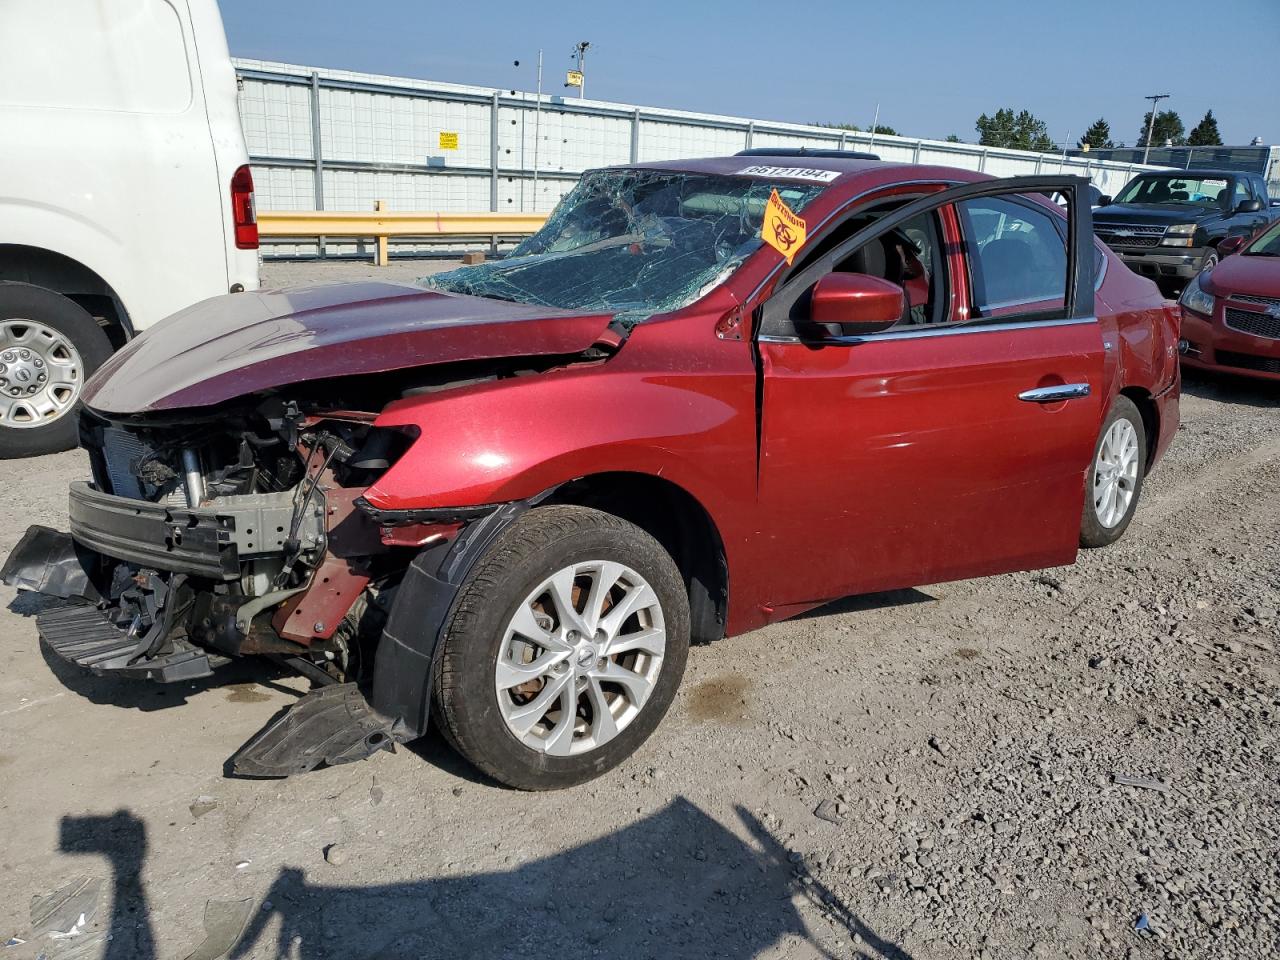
[{"x": 938, "y": 450}]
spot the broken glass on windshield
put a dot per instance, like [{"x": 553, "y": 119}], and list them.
[{"x": 632, "y": 242}]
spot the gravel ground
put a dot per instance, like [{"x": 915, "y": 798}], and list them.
[
  {"x": 933, "y": 773},
  {"x": 281, "y": 273}
]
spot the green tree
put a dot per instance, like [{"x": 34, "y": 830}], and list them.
[
  {"x": 880, "y": 128},
  {"x": 1205, "y": 133},
  {"x": 1098, "y": 136},
  {"x": 952, "y": 138},
  {"x": 1021, "y": 131},
  {"x": 1168, "y": 126}
]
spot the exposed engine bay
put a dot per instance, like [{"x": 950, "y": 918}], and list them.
[
  {"x": 200, "y": 540},
  {"x": 242, "y": 535}
]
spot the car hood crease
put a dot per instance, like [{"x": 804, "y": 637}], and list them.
[{"x": 240, "y": 344}]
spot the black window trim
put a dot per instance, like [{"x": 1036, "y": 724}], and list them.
[{"x": 1078, "y": 304}]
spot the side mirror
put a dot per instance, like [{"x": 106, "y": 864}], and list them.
[
  {"x": 856, "y": 303},
  {"x": 1252, "y": 205},
  {"x": 1230, "y": 245},
  {"x": 1105, "y": 200}
]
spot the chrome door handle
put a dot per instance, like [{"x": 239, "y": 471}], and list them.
[{"x": 1056, "y": 393}]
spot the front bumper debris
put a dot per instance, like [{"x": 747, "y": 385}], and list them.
[
  {"x": 84, "y": 636},
  {"x": 331, "y": 725},
  {"x": 49, "y": 562}
]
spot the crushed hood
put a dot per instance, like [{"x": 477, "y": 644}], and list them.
[{"x": 244, "y": 343}]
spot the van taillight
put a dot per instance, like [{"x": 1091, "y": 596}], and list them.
[{"x": 242, "y": 212}]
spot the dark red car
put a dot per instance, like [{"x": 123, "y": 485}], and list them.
[
  {"x": 1231, "y": 314},
  {"x": 512, "y": 495}
]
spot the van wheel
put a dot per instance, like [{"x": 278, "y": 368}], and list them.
[
  {"x": 1114, "y": 481},
  {"x": 49, "y": 345},
  {"x": 564, "y": 649}
]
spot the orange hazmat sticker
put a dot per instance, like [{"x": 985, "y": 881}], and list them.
[{"x": 782, "y": 229}]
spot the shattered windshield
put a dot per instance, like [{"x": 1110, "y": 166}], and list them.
[{"x": 632, "y": 242}]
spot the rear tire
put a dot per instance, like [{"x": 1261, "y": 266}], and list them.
[
  {"x": 43, "y": 334},
  {"x": 554, "y": 681},
  {"x": 1113, "y": 485}
]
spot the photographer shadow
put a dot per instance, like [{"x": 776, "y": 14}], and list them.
[{"x": 674, "y": 884}]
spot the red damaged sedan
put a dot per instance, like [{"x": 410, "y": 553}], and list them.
[
  {"x": 1231, "y": 314},
  {"x": 706, "y": 396}
]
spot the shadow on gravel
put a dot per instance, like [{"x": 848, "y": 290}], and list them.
[
  {"x": 675, "y": 884},
  {"x": 869, "y": 601},
  {"x": 122, "y": 839},
  {"x": 1225, "y": 388}
]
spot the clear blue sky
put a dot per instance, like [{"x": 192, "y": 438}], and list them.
[{"x": 933, "y": 65}]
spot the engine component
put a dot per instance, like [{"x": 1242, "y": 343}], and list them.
[{"x": 193, "y": 476}]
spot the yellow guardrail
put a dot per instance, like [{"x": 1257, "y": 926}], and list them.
[{"x": 382, "y": 224}]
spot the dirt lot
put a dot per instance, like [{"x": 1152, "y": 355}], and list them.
[{"x": 968, "y": 737}]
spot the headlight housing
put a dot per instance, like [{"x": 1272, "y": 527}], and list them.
[
  {"x": 1179, "y": 235},
  {"x": 1195, "y": 299}
]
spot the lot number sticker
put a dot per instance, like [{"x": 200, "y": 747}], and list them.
[
  {"x": 448, "y": 140},
  {"x": 782, "y": 229},
  {"x": 789, "y": 173}
]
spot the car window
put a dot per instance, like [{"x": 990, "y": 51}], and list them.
[
  {"x": 1017, "y": 257},
  {"x": 1240, "y": 194},
  {"x": 1166, "y": 189},
  {"x": 910, "y": 256}
]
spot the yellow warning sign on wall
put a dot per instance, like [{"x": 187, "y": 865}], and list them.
[
  {"x": 782, "y": 229},
  {"x": 448, "y": 140}
]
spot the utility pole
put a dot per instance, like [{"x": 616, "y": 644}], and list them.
[
  {"x": 537, "y": 132},
  {"x": 581, "y": 54},
  {"x": 1155, "y": 99}
]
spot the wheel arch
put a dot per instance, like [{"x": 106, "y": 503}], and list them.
[
  {"x": 61, "y": 274},
  {"x": 1146, "y": 404},
  {"x": 677, "y": 520}
]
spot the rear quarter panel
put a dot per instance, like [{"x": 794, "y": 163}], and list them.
[{"x": 1140, "y": 329}]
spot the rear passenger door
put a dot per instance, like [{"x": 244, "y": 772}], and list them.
[{"x": 936, "y": 449}]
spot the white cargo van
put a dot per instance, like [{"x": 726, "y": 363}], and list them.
[{"x": 125, "y": 191}]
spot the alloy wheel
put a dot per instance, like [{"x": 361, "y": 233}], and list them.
[
  {"x": 1115, "y": 473},
  {"x": 580, "y": 657}
]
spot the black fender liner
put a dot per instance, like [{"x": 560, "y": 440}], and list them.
[
  {"x": 338, "y": 723},
  {"x": 48, "y": 561},
  {"x": 420, "y": 614}
]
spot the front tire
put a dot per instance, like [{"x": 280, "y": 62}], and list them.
[
  {"x": 1114, "y": 482},
  {"x": 49, "y": 346},
  {"x": 564, "y": 650}
]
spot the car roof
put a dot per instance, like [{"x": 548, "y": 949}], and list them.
[
  {"x": 732, "y": 165},
  {"x": 1194, "y": 172}
]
